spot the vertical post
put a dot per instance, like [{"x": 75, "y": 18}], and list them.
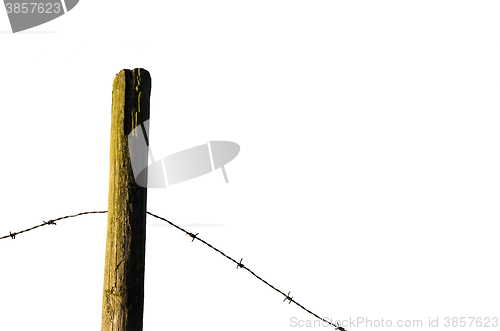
[{"x": 123, "y": 293}]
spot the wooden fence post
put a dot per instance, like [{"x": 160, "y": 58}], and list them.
[{"x": 123, "y": 293}]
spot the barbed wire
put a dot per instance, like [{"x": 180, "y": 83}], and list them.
[
  {"x": 51, "y": 222},
  {"x": 242, "y": 266},
  {"x": 194, "y": 236}
]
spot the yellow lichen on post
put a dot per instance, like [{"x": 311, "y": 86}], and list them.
[{"x": 123, "y": 290}]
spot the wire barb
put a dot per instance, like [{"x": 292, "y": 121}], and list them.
[
  {"x": 288, "y": 297},
  {"x": 241, "y": 265},
  {"x": 12, "y": 235},
  {"x": 193, "y": 236}
]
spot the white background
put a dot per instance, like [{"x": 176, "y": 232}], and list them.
[{"x": 367, "y": 183}]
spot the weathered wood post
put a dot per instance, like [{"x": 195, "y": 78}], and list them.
[{"x": 123, "y": 294}]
